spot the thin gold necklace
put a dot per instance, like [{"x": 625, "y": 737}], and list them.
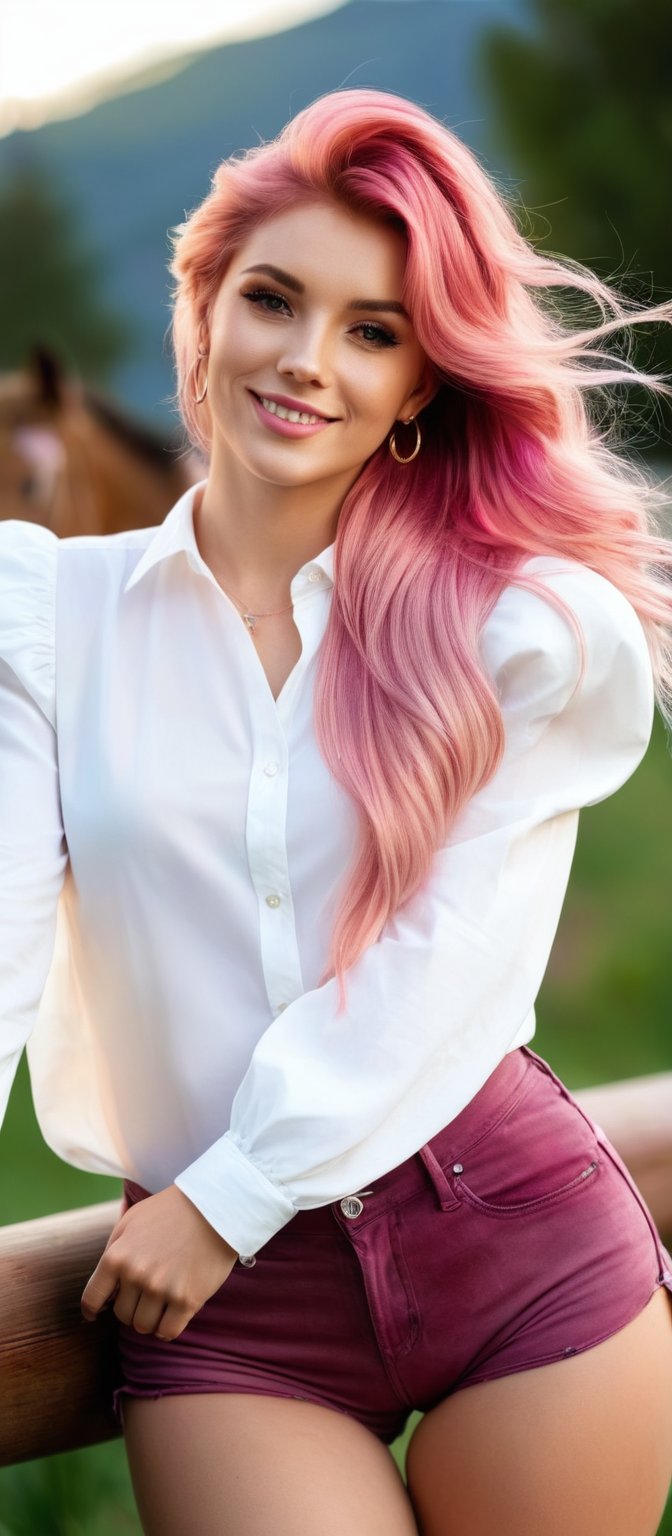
[{"x": 251, "y": 619}]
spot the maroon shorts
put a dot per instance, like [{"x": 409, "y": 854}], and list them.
[{"x": 515, "y": 1237}]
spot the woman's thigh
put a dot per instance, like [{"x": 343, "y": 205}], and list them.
[
  {"x": 231, "y": 1464},
  {"x": 583, "y": 1445}
]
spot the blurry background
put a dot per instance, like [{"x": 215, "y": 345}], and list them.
[{"x": 567, "y": 104}]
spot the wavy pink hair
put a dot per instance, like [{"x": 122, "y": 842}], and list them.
[{"x": 512, "y": 464}]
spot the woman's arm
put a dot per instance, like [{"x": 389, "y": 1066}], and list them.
[{"x": 33, "y": 852}]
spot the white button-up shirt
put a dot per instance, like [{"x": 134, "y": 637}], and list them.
[{"x": 172, "y": 850}]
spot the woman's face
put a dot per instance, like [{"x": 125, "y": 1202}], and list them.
[{"x": 325, "y": 329}]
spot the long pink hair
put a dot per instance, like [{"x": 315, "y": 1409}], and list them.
[{"x": 513, "y": 463}]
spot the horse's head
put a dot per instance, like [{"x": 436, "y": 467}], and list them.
[
  {"x": 75, "y": 461},
  {"x": 33, "y": 406}
]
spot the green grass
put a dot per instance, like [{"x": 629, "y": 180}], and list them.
[
  {"x": 603, "y": 1012},
  {"x": 82, "y": 1493}
]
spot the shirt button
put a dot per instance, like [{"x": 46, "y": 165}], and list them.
[
  {"x": 314, "y": 575},
  {"x": 272, "y": 901},
  {"x": 280, "y": 1007},
  {"x": 270, "y": 769}
]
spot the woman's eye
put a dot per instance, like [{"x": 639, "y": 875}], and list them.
[
  {"x": 380, "y": 337},
  {"x": 258, "y": 294},
  {"x": 276, "y": 304}
]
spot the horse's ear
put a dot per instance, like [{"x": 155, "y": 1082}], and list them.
[{"x": 47, "y": 371}]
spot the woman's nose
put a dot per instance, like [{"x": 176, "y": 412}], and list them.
[{"x": 307, "y": 356}]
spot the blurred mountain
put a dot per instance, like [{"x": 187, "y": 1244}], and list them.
[{"x": 134, "y": 165}]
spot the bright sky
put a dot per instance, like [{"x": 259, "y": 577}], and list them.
[{"x": 58, "y": 56}]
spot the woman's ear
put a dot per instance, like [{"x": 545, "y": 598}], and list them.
[{"x": 425, "y": 391}]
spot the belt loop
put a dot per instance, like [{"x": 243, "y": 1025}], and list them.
[{"x": 447, "y": 1200}]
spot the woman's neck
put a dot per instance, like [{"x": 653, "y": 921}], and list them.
[{"x": 255, "y": 538}]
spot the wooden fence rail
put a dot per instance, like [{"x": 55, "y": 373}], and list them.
[{"x": 57, "y": 1372}]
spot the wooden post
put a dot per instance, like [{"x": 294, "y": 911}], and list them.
[{"x": 57, "y": 1372}]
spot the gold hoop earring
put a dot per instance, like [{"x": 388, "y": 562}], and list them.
[
  {"x": 198, "y": 399},
  {"x": 416, "y": 450}
]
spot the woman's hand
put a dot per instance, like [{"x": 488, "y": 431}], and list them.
[{"x": 162, "y": 1262}]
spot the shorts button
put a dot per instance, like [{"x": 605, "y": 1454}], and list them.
[
  {"x": 351, "y": 1206},
  {"x": 458, "y": 1168}
]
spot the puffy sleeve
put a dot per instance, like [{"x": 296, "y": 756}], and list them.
[
  {"x": 33, "y": 853},
  {"x": 328, "y": 1103}
]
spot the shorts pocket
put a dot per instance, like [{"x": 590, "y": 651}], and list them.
[
  {"x": 522, "y": 1207},
  {"x": 542, "y": 1152}
]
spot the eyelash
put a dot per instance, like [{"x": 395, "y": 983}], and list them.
[{"x": 383, "y": 337}]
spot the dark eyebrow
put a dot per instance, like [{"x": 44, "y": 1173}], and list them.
[{"x": 293, "y": 282}]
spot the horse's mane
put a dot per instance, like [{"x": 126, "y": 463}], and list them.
[{"x": 159, "y": 446}]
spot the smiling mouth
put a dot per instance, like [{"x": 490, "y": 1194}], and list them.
[{"x": 303, "y": 418}]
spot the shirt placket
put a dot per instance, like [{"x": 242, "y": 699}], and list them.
[
  {"x": 266, "y": 826},
  {"x": 267, "y": 856}
]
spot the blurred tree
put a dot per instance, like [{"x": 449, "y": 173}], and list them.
[
  {"x": 583, "y": 100},
  {"x": 50, "y": 282}
]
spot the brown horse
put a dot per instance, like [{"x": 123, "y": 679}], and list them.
[{"x": 75, "y": 461}]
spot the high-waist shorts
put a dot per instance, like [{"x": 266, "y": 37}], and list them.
[{"x": 513, "y": 1238}]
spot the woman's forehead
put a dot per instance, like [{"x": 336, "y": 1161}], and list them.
[{"x": 316, "y": 239}]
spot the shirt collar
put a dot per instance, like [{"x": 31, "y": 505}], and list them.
[{"x": 175, "y": 535}]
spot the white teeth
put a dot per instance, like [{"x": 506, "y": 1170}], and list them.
[{"x": 287, "y": 415}]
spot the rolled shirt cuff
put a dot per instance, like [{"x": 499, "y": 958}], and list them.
[{"x": 235, "y": 1197}]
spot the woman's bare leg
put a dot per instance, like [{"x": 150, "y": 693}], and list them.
[
  {"x": 229, "y": 1464},
  {"x": 583, "y": 1445}
]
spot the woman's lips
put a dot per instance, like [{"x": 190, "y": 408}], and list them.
[{"x": 287, "y": 428}]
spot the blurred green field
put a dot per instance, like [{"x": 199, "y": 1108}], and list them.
[{"x": 604, "y": 1012}]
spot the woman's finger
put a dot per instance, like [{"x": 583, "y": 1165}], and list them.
[
  {"x": 127, "y": 1301},
  {"x": 148, "y": 1313},
  {"x": 100, "y": 1287},
  {"x": 174, "y": 1321}
]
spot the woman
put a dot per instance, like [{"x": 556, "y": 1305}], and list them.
[{"x": 322, "y": 741}]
